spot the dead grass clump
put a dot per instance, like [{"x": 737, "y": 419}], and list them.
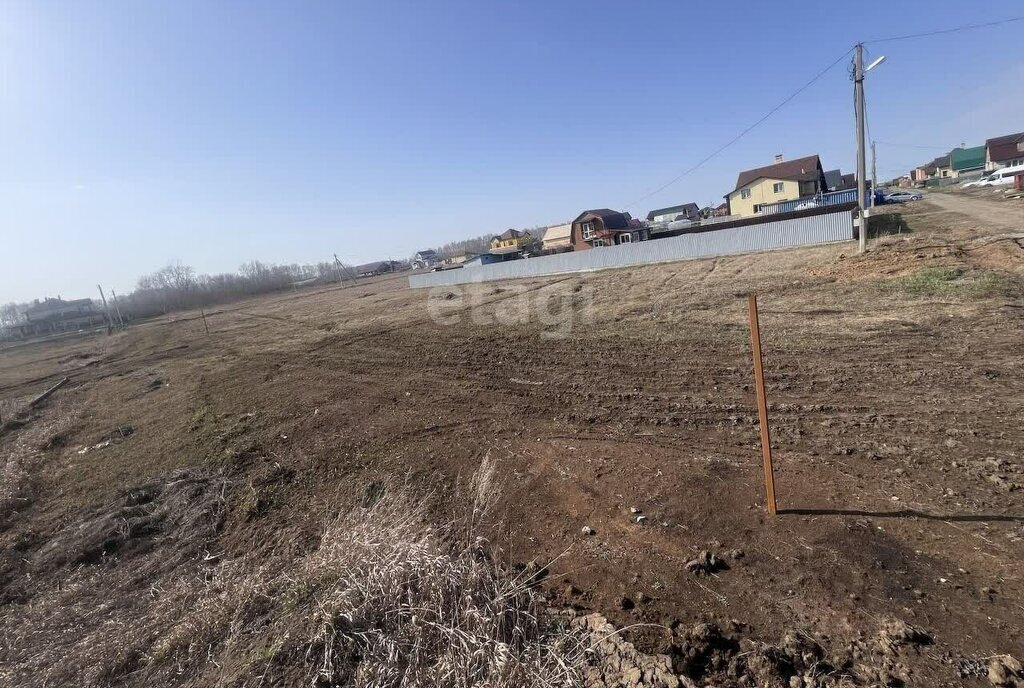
[
  {"x": 386, "y": 600},
  {"x": 27, "y": 444},
  {"x": 949, "y": 282}
]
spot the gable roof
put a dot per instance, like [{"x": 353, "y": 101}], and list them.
[
  {"x": 510, "y": 234},
  {"x": 556, "y": 232},
  {"x": 429, "y": 253},
  {"x": 967, "y": 158},
  {"x": 941, "y": 161},
  {"x": 799, "y": 169},
  {"x": 690, "y": 210},
  {"x": 1005, "y": 147},
  {"x": 612, "y": 219}
]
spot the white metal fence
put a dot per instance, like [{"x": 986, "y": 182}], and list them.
[{"x": 764, "y": 236}]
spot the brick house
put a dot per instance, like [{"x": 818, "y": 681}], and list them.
[{"x": 604, "y": 227}]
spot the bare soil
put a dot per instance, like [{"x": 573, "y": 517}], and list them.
[{"x": 896, "y": 398}]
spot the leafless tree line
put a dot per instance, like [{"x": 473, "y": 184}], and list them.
[{"x": 177, "y": 286}]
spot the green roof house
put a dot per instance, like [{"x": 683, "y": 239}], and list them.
[{"x": 966, "y": 160}]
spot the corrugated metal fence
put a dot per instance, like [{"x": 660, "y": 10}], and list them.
[
  {"x": 831, "y": 198},
  {"x": 800, "y": 231}
]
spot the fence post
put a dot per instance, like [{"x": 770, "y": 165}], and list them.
[{"x": 762, "y": 405}]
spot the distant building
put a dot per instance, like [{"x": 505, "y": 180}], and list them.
[
  {"x": 459, "y": 258},
  {"x": 943, "y": 167},
  {"x": 511, "y": 241},
  {"x": 52, "y": 316},
  {"x": 835, "y": 180},
  {"x": 965, "y": 160},
  {"x": 686, "y": 211},
  {"x": 425, "y": 259},
  {"x": 604, "y": 227},
  {"x": 377, "y": 268},
  {"x": 1004, "y": 151},
  {"x": 557, "y": 238},
  {"x": 781, "y": 181}
]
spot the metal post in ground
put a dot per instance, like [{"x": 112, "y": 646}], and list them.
[{"x": 762, "y": 405}]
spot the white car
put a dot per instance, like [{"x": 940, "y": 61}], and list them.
[
  {"x": 807, "y": 205},
  {"x": 977, "y": 182},
  {"x": 1002, "y": 177}
]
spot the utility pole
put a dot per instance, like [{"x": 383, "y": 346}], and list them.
[
  {"x": 858, "y": 104},
  {"x": 874, "y": 175},
  {"x": 337, "y": 267},
  {"x": 348, "y": 271},
  {"x": 117, "y": 309},
  {"x": 110, "y": 322}
]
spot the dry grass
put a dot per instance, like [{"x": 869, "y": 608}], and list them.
[
  {"x": 949, "y": 282},
  {"x": 387, "y": 599},
  {"x": 25, "y": 451}
]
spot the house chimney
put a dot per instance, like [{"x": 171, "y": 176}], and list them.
[{"x": 778, "y": 158}]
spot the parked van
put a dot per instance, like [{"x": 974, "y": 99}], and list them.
[{"x": 1003, "y": 177}]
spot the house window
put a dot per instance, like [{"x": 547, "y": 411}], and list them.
[
  {"x": 745, "y": 194},
  {"x": 598, "y": 242},
  {"x": 588, "y": 230},
  {"x": 624, "y": 238},
  {"x": 778, "y": 187}
]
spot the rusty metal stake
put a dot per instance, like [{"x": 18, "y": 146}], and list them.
[{"x": 762, "y": 404}]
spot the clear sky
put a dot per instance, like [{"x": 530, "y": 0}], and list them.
[{"x": 135, "y": 133}]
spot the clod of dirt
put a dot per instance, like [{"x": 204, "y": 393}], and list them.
[
  {"x": 705, "y": 564},
  {"x": 1005, "y": 671},
  {"x": 895, "y": 633},
  {"x": 618, "y": 663}
]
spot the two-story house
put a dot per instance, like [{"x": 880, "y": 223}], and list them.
[
  {"x": 1004, "y": 151},
  {"x": 785, "y": 180},
  {"x": 511, "y": 241},
  {"x": 604, "y": 227}
]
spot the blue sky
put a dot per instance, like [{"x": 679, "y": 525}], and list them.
[{"x": 136, "y": 133}]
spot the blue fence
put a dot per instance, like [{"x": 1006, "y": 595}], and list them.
[{"x": 830, "y": 198}]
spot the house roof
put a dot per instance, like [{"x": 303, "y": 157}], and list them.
[
  {"x": 1005, "y": 147},
  {"x": 967, "y": 158},
  {"x": 511, "y": 234},
  {"x": 557, "y": 232},
  {"x": 689, "y": 210},
  {"x": 426, "y": 254},
  {"x": 799, "y": 169},
  {"x": 375, "y": 266},
  {"x": 56, "y": 305},
  {"x": 941, "y": 161},
  {"x": 612, "y": 219}
]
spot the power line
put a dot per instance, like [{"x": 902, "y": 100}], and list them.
[
  {"x": 743, "y": 133},
  {"x": 968, "y": 27}
]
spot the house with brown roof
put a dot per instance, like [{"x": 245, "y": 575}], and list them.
[
  {"x": 511, "y": 241},
  {"x": 1004, "y": 151},
  {"x": 784, "y": 180},
  {"x": 604, "y": 227}
]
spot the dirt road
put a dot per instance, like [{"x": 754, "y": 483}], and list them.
[{"x": 896, "y": 389}]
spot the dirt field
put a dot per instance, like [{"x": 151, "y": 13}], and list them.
[{"x": 896, "y": 399}]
